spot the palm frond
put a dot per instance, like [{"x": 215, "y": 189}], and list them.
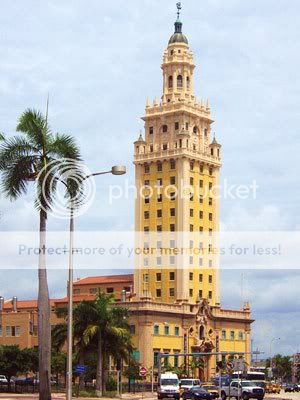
[
  {"x": 61, "y": 312},
  {"x": 63, "y": 146},
  {"x": 89, "y": 333},
  {"x": 34, "y": 125},
  {"x": 59, "y": 335},
  {"x": 15, "y": 178},
  {"x": 13, "y": 149},
  {"x": 2, "y": 137},
  {"x": 46, "y": 185}
]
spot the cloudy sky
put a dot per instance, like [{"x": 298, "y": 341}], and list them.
[{"x": 99, "y": 61}]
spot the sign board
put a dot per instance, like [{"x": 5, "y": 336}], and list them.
[
  {"x": 217, "y": 344},
  {"x": 229, "y": 365},
  {"x": 80, "y": 369},
  {"x": 238, "y": 365},
  {"x": 143, "y": 372},
  {"x": 185, "y": 343},
  {"x": 270, "y": 373}
]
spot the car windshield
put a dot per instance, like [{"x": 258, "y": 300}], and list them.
[
  {"x": 210, "y": 387},
  {"x": 247, "y": 383},
  {"x": 198, "y": 389},
  {"x": 186, "y": 381},
  {"x": 169, "y": 382},
  {"x": 260, "y": 384}
]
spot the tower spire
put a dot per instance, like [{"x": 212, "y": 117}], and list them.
[
  {"x": 178, "y": 23},
  {"x": 178, "y": 5}
]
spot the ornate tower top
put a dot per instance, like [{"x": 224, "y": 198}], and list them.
[{"x": 178, "y": 36}]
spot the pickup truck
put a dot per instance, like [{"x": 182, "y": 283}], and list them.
[{"x": 244, "y": 390}]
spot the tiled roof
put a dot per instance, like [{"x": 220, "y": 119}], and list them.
[
  {"x": 76, "y": 298},
  {"x": 105, "y": 279},
  {"x": 23, "y": 304}
]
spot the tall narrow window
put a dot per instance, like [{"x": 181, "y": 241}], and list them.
[
  {"x": 170, "y": 82},
  {"x": 179, "y": 82},
  {"x": 187, "y": 82}
]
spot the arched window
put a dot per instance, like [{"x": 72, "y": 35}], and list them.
[
  {"x": 187, "y": 82},
  {"x": 165, "y": 128},
  {"x": 205, "y": 133},
  {"x": 170, "y": 82},
  {"x": 179, "y": 82},
  {"x": 195, "y": 129},
  {"x": 201, "y": 332}
]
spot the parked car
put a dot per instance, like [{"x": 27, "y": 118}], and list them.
[
  {"x": 26, "y": 381},
  {"x": 197, "y": 393},
  {"x": 3, "y": 380},
  {"x": 212, "y": 389}
]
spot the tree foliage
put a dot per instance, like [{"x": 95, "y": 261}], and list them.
[
  {"x": 100, "y": 327},
  {"x": 15, "y": 361},
  {"x": 281, "y": 366}
]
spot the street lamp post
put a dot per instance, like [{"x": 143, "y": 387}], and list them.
[
  {"x": 116, "y": 170},
  {"x": 271, "y": 358}
]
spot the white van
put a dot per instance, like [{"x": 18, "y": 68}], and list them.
[{"x": 169, "y": 386}]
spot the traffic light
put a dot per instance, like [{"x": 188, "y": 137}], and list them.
[{"x": 220, "y": 366}]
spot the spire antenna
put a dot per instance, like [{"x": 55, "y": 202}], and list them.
[
  {"x": 178, "y": 5},
  {"x": 47, "y": 109}
]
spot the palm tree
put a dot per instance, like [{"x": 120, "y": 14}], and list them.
[
  {"x": 99, "y": 326},
  {"x": 197, "y": 363},
  {"x": 26, "y": 158},
  {"x": 110, "y": 329},
  {"x": 81, "y": 320}
]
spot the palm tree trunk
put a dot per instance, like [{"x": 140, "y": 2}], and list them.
[
  {"x": 81, "y": 380},
  {"x": 104, "y": 369},
  {"x": 99, "y": 389},
  {"x": 44, "y": 328}
]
